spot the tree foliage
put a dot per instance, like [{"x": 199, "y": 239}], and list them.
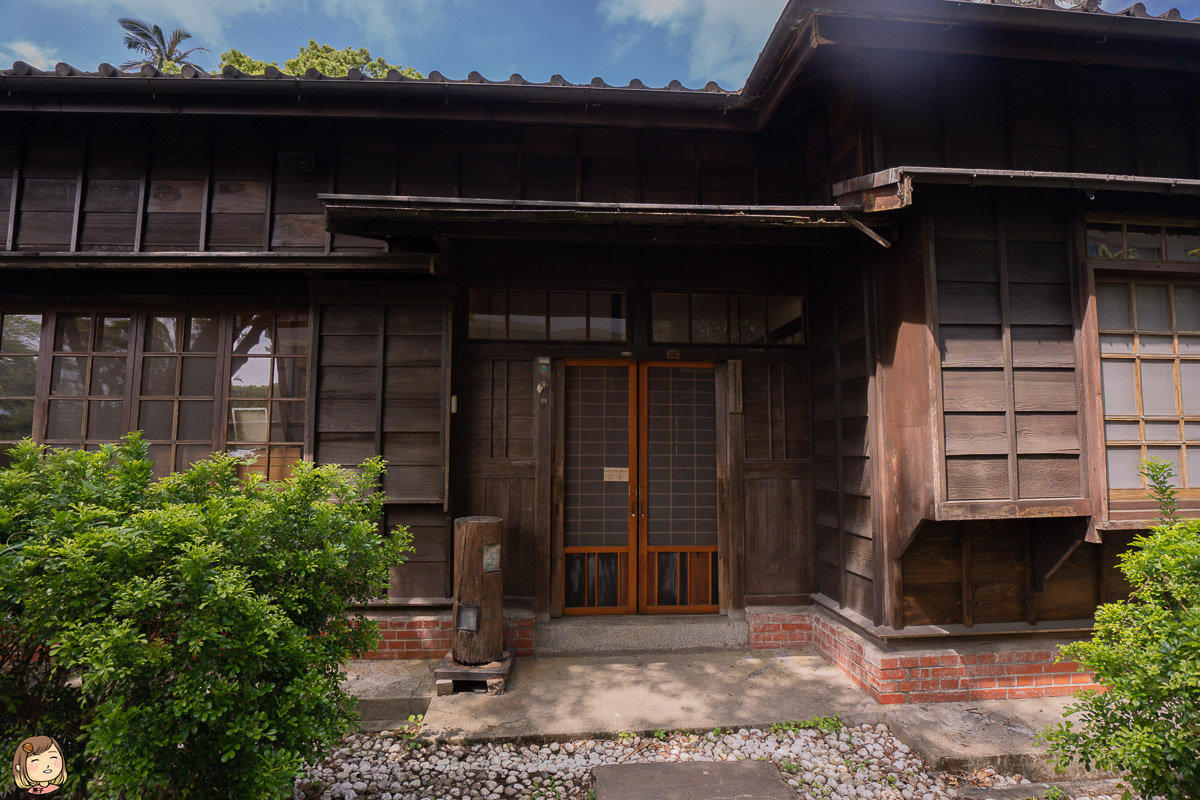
[
  {"x": 159, "y": 51},
  {"x": 183, "y": 638},
  {"x": 324, "y": 58},
  {"x": 1146, "y": 653}
]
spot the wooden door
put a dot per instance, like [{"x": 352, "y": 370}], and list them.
[{"x": 640, "y": 488}]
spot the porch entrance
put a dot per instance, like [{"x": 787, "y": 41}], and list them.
[{"x": 640, "y": 488}]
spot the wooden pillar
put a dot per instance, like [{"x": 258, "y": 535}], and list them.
[{"x": 478, "y": 586}]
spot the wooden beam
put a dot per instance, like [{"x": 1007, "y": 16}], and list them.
[
  {"x": 544, "y": 391},
  {"x": 14, "y": 195},
  {"x": 80, "y": 183},
  {"x": 1052, "y": 543},
  {"x": 872, "y": 235}
]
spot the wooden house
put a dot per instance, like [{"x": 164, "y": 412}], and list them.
[{"x": 886, "y": 332}]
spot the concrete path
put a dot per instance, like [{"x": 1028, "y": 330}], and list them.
[
  {"x": 589, "y": 697},
  {"x": 713, "y": 780}
]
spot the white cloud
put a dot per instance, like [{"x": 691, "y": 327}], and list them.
[
  {"x": 32, "y": 54},
  {"x": 723, "y": 38}
]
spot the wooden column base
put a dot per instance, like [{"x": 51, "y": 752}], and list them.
[{"x": 450, "y": 676}]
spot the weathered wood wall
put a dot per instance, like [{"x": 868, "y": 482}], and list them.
[
  {"x": 115, "y": 184},
  {"x": 968, "y": 111},
  {"x": 843, "y": 372}
]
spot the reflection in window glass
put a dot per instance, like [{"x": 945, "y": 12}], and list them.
[
  {"x": 710, "y": 319},
  {"x": 606, "y": 316},
  {"x": 20, "y": 333},
  {"x": 252, "y": 334},
  {"x": 1142, "y": 241},
  {"x": 529, "y": 315},
  {"x": 162, "y": 333},
  {"x": 727, "y": 319},
  {"x": 669, "y": 318},
  {"x": 1181, "y": 243},
  {"x": 488, "y": 315},
  {"x": 1104, "y": 240},
  {"x": 20, "y": 340},
  {"x": 785, "y": 320},
  {"x": 568, "y": 316}
]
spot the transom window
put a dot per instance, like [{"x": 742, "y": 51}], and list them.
[
  {"x": 539, "y": 315},
  {"x": 193, "y": 380},
  {"x": 751, "y": 319},
  {"x": 1128, "y": 241},
  {"x": 1150, "y": 371}
]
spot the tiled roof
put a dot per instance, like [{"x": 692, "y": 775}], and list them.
[
  {"x": 1087, "y": 7},
  {"x": 63, "y": 70}
]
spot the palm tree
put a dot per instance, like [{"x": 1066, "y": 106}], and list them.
[{"x": 158, "y": 51}]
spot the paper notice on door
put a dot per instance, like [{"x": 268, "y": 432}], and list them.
[{"x": 620, "y": 474}]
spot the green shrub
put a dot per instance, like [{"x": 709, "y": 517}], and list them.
[
  {"x": 1146, "y": 653},
  {"x": 183, "y": 637}
]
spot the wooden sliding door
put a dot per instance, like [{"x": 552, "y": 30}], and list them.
[{"x": 640, "y": 488}]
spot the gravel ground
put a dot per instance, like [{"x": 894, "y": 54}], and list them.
[{"x": 860, "y": 763}]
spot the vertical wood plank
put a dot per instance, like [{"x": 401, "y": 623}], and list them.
[
  {"x": 840, "y": 444},
  {"x": 269, "y": 220},
  {"x": 333, "y": 188},
  {"x": 380, "y": 381},
  {"x": 207, "y": 191},
  {"x": 968, "y": 601},
  {"x": 14, "y": 194},
  {"x": 80, "y": 181},
  {"x": 543, "y": 410},
  {"x": 1010, "y": 414},
  {"x": 937, "y": 420},
  {"x": 723, "y": 487},
  {"x": 314, "y": 369},
  {"x": 557, "y": 491},
  {"x": 1030, "y": 597},
  {"x": 735, "y": 452},
  {"x": 139, "y": 231},
  {"x": 447, "y": 396}
]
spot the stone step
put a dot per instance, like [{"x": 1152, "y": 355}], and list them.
[
  {"x": 607, "y": 635},
  {"x": 389, "y": 691},
  {"x": 694, "y": 780}
]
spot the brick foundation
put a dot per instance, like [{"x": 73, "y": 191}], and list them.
[
  {"x": 405, "y": 634},
  {"x": 922, "y": 671}
]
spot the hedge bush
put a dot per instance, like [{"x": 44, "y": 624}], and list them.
[
  {"x": 183, "y": 637},
  {"x": 1146, "y": 653}
]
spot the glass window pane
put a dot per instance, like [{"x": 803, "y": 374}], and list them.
[
  {"x": 1123, "y": 465},
  {"x": 287, "y": 422},
  {"x": 568, "y": 316},
  {"x": 202, "y": 334},
  {"x": 291, "y": 334},
  {"x": 750, "y": 322},
  {"x": 108, "y": 376},
  {"x": 1189, "y": 380},
  {"x": 188, "y": 454},
  {"x": 527, "y": 315},
  {"x": 291, "y": 378},
  {"x": 20, "y": 333},
  {"x": 785, "y": 319},
  {"x": 252, "y": 334},
  {"x": 247, "y": 421},
  {"x": 112, "y": 335},
  {"x": 67, "y": 375},
  {"x": 18, "y": 376},
  {"x": 156, "y": 418},
  {"x": 199, "y": 377},
  {"x": 1119, "y": 398},
  {"x": 158, "y": 376},
  {"x": 1187, "y": 307},
  {"x": 1193, "y": 467},
  {"x": 65, "y": 420},
  {"x": 16, "y": 419},
  {"x": 1191, "y": 431},
  {"x": 486, "y": 314},
  {"x": 1180, "y": 244},
  {"x": 1112, "y": 306},
  {"x": 250, "y": 377},
  {"x": 1156, "y": 345},
  {"x": 104, "y": 419},
  {"x": 282, "y": 459},
  {"x": 1171, "y": 456},
  {"x": 607, "y": 316},
  {"x": 1158, "y": 388},
  {"x": 195, "y": 420},
  {"x": 1116, "y": 343},
  {"x": 710, "y": 319},
  {"x": 160, "y": 455},
  {"x": 1122, "y": 432},
  {"x": 1104, "y": 240},
  {"x": 1153, "y": 313},
  {"x": 669, "y": 318},
  {"x": 1162, "y": 431},
  {"x": 162, "y": 333},
  {"x": 73, "y": 333},
  {"x": 255, "y": 456},
  {"x": 1189, "y": 345},
  {"x": 1144, "y": 242}
]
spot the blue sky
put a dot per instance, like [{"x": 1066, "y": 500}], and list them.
[{"x": 657, "y": 41}]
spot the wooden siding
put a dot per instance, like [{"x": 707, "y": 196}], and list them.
[
  {"x": 843, "y": 375},
  {"x": 985, "y": 113},
  {"x": 1006, "y": 323},
  {"x": 187, "y": 185}
]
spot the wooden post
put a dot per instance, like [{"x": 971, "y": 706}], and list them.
[{"x": 478, "y": 627}]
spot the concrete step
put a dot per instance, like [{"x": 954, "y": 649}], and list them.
[
  {"x": 389, "y": 691},
  {"x": 630, "y": 635},
  {"x": 714, "y": 780}
]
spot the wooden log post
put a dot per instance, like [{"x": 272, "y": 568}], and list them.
[{"x": 478, "y": 586}]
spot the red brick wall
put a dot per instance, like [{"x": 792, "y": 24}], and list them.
[
  {"x": 407, "y": 635},
  {"x": 928, "y": 672}
]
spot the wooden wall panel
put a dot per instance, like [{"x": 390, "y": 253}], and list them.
[
  {"x": 513, "y": 499},
  {"x": 426, "y": 572},
  {"x": 778, "y": 554}
]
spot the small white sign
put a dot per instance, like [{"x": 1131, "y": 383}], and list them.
[{"x": 620, "y": 474}]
